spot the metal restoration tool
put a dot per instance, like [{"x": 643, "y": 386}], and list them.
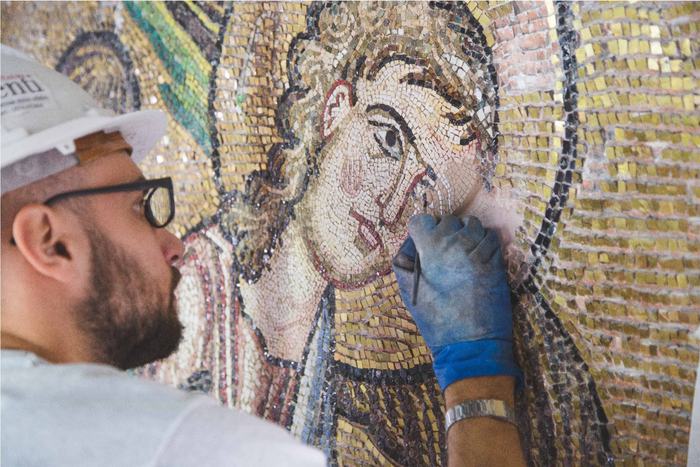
[{"x": 416, "y": 267}]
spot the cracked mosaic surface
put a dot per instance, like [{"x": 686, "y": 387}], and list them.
[{"x": 302, "y": 136}]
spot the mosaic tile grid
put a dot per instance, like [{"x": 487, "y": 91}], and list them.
[
  {"x": 632, "y": 239},
  {"x": 579, "y": 118}
]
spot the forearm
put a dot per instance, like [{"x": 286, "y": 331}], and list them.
[{"x": 483, "y": 440}]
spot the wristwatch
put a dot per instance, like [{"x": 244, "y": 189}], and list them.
[{"x": 480, "y": 408}]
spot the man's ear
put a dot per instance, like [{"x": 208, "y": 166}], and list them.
[
  {"x": 336, "y": 107},
  {"x": 41, "y": 237}
]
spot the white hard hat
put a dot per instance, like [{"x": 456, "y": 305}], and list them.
[{"x": 43, "y": 112}]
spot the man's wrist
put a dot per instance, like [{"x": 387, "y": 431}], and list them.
[
  {"x": 482, "y": 387},
  {"x": 483, "y": 440}
]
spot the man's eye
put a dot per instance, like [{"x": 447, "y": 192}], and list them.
[
  {"x": 389, "y": 142},
  {"x": 140, "y": 205}
]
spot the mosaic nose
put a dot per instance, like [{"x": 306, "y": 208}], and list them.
[{"x": 352, "y": 174}]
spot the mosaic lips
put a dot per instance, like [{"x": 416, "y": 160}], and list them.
[{"x": 367, "y": 233}]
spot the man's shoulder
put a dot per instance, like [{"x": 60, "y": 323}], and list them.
[
  {"x": 85, "y": 410},
  {"x": 87, "y": 414},
  {"x": 25, "y": 377}
]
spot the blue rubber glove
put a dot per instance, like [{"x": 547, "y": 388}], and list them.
[{"x": 462, "y": 308}]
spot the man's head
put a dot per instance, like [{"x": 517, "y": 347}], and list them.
[
  {"x": 86, "y": 275},
  {"x": 91, "y": 268}
]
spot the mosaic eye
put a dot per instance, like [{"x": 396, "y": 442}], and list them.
[{"x": 388, "y": 139}]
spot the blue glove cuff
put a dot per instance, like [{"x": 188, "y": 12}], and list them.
[{"x": 487, "y": 357}]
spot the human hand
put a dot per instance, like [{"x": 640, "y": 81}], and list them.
[{"x": 462, "y": 307}]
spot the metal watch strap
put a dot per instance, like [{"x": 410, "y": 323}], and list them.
[{"x": 480, "y": 408}]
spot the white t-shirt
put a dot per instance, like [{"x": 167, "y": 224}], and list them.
[
  {"x": 95, "y": 415},
  {"x": 694, "y": 443}
]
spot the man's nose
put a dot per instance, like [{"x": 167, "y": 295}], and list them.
[{"x": 172, "y": 247}]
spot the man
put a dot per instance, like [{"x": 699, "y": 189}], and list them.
[{"x": 87, "y": 290}]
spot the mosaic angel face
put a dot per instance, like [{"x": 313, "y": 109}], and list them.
[{"x": 395, "y": 145}]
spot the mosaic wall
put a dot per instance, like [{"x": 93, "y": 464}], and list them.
[{"x": 302, "y": 136}]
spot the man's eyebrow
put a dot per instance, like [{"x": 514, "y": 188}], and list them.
[
  {"x": 138, "y": 179},
  {"x": 396, "y": 116}
]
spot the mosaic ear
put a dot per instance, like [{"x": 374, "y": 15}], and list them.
[{"x": 337, "y": 107}]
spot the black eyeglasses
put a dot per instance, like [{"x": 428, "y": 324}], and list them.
[{"x": 158, "y": 198}]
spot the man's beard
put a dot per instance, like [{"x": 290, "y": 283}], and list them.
[{"x": 127, "y": 321}]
